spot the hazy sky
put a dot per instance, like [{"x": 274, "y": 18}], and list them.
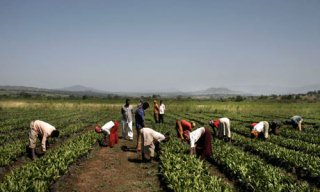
[{"x": 143, "y": 45}]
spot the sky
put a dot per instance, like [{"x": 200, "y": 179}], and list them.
[{"x": 147, "y": 45}]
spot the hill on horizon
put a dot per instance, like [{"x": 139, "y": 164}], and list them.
[{"x": 81, "y": 90}]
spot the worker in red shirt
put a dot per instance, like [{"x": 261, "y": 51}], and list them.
[{"x": 184, "y": 125}]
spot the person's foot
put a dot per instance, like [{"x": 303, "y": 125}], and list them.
[{"x": 128, "y": 138}]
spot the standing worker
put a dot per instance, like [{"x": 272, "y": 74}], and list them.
[
  {"x": 127, "y": 111},
  {"x": 43, "y": 131},
  {"x": 296, "y": 122},
  {"x": 162, "y": 108},
  {"x": 139, "y": 116},
  {"x": 223, "y": 126},
  {"x": 183, "y": 125},
  {"x": 150, "y": 138},
  {"x": 260, "y": 130},
  {"x": 109, "y": 135},
  {"x": 200, "y": 142},
  {"x": 155, "y": 111}
]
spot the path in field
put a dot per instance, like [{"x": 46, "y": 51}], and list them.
[{"x": 112, "y": 170}]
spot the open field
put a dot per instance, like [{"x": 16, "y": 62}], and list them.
[{"x": 74, "y": 161}]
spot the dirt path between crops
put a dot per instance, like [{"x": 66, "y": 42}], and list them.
[{"x": 112, "y": 170}]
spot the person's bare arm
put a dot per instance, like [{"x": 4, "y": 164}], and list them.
[
  {"x": 192, "y": 150},
  {"x": 180, "y": 130}
]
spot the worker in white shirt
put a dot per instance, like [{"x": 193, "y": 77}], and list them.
[
  {"x": 260, "y": 130},
  {"x": 150, "y": 138},
  {"x": 42, "y": 130},
  {"x": 110, "y": 133},
  {"x": 223, "y": 126},
  {"x": 162, "y": 108},
  {"x": 296, "y": 122},
  {"x": 200, "y": 142}
]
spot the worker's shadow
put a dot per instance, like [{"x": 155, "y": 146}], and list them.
[
  {"x": 136, "y": 160},
  {"x": 128, "y": 149}
]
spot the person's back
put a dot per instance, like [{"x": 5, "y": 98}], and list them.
[
  {"x": 275, "y": 126},
  {"x": 43, "y": 128},
  {"x": 149, "y": 135},
  {"x": 225, "y": 128},
  {"x": 186, "y": 125},
  {"x": 296, "y": 118},
  {"x": 260, "y": 130},
  {"x": 296, "y": 122}
]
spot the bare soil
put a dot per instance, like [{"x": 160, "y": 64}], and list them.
[{"x": 111, "y": 169}]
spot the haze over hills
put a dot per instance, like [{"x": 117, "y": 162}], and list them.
[
  {"x": 80, "y": 88},
  {"x": 83, "y": 90}
]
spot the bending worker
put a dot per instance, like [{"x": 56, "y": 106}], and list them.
[
  {"x": 43, "y": 131},
  {"x": 223, "y": 126},
  {"x": 183, "y": 125},
  {"x": 150, "y": 138},
  {"x": 260, "y": 130},
  {"x": 200, "y": 142},
  {"x": 296, "y": 122},
  {"x": 275, "y": 126},
  {"x": 106, "y": 130}
]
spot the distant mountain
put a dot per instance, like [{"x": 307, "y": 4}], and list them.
[
  {"x": 303, "y": 89},
  {"x": 218, "y": 91},
  {"x": 80, "y": 88}
]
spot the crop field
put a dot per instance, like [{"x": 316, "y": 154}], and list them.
[{"x": 288, "y": 162}]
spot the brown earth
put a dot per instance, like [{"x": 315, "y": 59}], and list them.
[{"x": 111, "y": 169}]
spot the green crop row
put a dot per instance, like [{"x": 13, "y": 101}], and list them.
[
  {"x": 183, "y": 173},
  {"x": 295, "y": 144},
  {"x": 41, "y": 173},
  {"x": 250, "y": 172},
  {"x": 304, "y": 165},
  {"x": 11, "y": 151}
]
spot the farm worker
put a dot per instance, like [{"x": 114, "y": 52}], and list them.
[
  {"x": 275, "y": 126},
  {"x": 127, "y": 111},
  {"x": 106, "y": 130},
  {"x": 183, "y": 125},
  {"x": 150, "y": 138},
  {"x": 139, "y": 116},
  {"x": 200, "y": 142},
  {"x": 296, "y": 122},
  {"x": 162, "y": 108},
  {"x": 43, "y": 131},
  {"x": 223, "y": 126},
  {"x": 260, "y": 130},
  {"x": 155, "y": 111}
]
